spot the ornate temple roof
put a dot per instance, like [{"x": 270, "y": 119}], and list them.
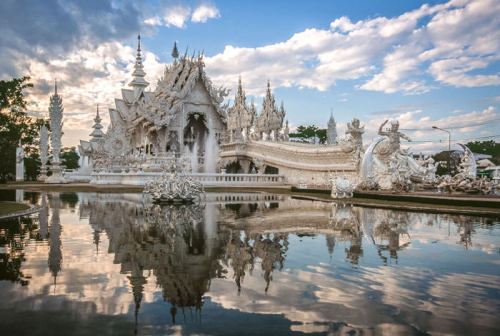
[
  {"x": 240, "y": 115},
  {"x": 270, "y": 117},
  {"x": 97, "y": 133},
  {"x": 177, "y": 83},
  {"x": 157, "y": 109}
]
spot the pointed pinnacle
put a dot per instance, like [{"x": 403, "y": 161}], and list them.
[{"x": 175, "y": 52}]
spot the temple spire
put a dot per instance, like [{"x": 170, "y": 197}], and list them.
[
  {"x": 97, "y": 134},
  {"x": 331, "y": 132},
  {"x": 138, "y": 82},
  {"x": 175, "y": 52}
]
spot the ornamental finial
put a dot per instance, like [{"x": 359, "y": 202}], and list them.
[{"x": 175, "y": 52}]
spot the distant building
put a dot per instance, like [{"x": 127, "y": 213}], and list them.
[{"x": 331, "y": 132}]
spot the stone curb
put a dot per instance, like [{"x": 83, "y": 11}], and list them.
[{"x": 31, "y": 210}]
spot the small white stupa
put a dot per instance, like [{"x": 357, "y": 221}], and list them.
[{"x": 331, "y": 133}]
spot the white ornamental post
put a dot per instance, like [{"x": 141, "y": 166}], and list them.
[{"x": 19, "y": 162}]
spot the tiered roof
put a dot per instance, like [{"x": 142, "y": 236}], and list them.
[
  {"x": 270, "y": 118},
  {"x": 138, "y": 82},
  {"x": 240, "y": 116},
  {"x": 97, "y": 133}
]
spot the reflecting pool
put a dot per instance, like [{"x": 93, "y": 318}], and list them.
[{"x": 244, "y": 264}]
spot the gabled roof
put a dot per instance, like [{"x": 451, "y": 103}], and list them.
[{"x": 178, "y": 81}]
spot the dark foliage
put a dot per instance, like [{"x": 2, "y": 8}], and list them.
[
  {"x": 310, "y": 132},
  {"x": 15, "y": 124}
]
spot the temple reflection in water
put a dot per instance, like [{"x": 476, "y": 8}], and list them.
[{"x": 181, "y": 250}]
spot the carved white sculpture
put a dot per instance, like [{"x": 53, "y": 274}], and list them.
[
  {"x": 174, "y": 187},
  {"x": 341, "y": 187},
  {"x": 387, "y": 166},
  {"x": 468, "y": 163},
  {"x": 393, "y": 136},
  {"x": 44, "y": 152},
  {"x": 355, "y": 130},
  {"x": 56, "y": 113},
  {"x": 466, "y": 179},
  {"x": 19, "y": 162}
]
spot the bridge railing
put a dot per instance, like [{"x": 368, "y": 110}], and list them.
[
  {"x": 207, "y": 179},
  {"x": 239, "y": 179}
]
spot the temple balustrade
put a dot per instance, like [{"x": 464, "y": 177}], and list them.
[{"x": 207, "y": 179}]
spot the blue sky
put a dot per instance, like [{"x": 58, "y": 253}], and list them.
[{"x": 423, "y": 63}]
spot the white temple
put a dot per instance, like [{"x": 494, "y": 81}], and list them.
[
  {"x": 184, "y": 120},
  {"x": 183, "y": 125}
]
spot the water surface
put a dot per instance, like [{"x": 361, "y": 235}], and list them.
[{"x": 244, "y": 264}]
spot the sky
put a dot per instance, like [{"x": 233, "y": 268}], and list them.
[{"x": 423, "y": 63}]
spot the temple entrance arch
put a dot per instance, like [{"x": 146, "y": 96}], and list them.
[
  {"x": 271, "y": 170},
  {"x": 196, "y": 132}
]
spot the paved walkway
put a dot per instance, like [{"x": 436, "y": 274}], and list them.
[{"x": 26, "y": 212}]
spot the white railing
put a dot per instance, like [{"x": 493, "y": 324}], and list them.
[{"x": 207, "y": 179}]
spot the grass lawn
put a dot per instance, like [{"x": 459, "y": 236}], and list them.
[{"x": 10, "y": 207}]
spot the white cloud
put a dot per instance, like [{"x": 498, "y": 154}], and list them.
[
  {"x": 389, "y": 54},
  {"x": 178, "y": 15},
  {"x": 171, "y": 16},
  {"x": 204, "y": 12}
]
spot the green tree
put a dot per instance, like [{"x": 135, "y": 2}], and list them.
[
  {"x": 15, "y": 124},
  {"x": 32, "y": 166},
  {"x": 310, "y": 132},
  {"x": 443, "y": 158},
  {"x": 70, "y": 158},
  {"x": 486, "y": 147}
]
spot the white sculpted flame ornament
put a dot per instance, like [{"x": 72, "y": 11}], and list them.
[
  {"x": 341, "y": 187},
  {"x": 176, "y": 187}
]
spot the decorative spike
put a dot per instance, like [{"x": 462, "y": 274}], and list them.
[{"x": 175, "y": 52}]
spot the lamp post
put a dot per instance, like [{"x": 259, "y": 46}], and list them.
[{"x": 449, "y": 144}]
